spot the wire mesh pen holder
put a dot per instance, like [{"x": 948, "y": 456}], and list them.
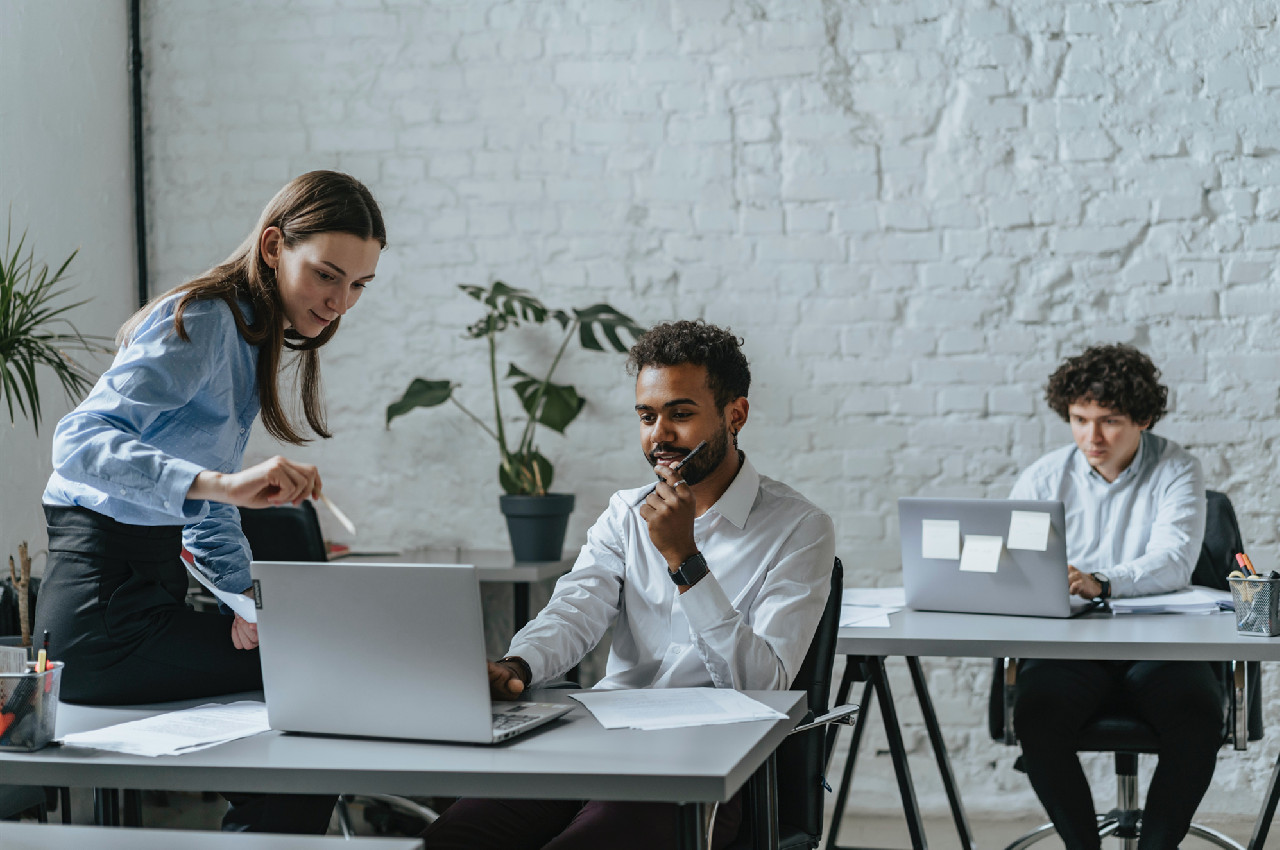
[
  {"x": 1256, "y": 601},
  {"x": 29, "y": 707}
]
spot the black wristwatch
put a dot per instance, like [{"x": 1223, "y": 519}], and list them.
[
  {"x": 525, "y": 674},
  {"x": 691, "y": 571},
  {"x": 1106, "y": 585}
]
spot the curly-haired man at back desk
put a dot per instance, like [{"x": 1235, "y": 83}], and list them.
[{"x": 1135, "y": 509}]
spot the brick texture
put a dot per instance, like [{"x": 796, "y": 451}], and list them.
[{"x": 911, "y": 211}]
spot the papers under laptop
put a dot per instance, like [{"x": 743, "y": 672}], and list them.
[
  {"x": 986, "y": 556},
  {"x": 381, "y": 650}
]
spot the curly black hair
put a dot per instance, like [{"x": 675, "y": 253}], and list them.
[
  {"x": 1118, "y": 377},
  {"x": 696, "y": 342}
]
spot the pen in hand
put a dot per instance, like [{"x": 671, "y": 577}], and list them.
[{"x": 675, "y": 467}]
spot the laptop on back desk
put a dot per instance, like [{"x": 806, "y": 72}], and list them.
[
  {"x": 380, "y": 650},
  {"x": 1027, "y": 582}
]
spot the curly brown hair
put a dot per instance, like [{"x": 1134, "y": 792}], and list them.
[
  {"x": 696, "y": 342},
  {"x": 1118, "y": 377}
]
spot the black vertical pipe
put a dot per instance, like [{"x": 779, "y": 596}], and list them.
[{"x": 139, "y": 182}]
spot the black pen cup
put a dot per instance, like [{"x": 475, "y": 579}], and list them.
[
  {"x": 29, "y": 707},
  {"x": 1257, "y": 605}
]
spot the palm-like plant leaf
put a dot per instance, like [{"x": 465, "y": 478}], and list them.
[
  {"x": 609, "y": 321},
  {"x": 560, "y": 403},
  {"x": 35, "y": 331}
]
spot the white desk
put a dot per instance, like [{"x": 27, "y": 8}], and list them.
[
  {"x": 572, "y": 758},
  {"x": 492, "y": 565},
  {"x": 1152, "y": 637},
  {"x": 41, "y": 836}
]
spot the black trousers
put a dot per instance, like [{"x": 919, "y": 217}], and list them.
[
  {"x": 1181, "y": 700},
  {"x": 113, "y": 603}
]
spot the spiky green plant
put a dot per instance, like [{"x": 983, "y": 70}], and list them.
[
  {"x": 35, "y": 332},
  {"x": 524, "y": 471}
]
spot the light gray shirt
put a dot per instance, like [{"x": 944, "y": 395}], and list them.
[
  {"x": 1143, "y": 530},
  {"x": 746, "y": 625}
]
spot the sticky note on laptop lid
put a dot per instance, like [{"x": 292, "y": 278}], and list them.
[
  {"x": 1029, "y": 530},
  {"x": 940, "y": 538},
  {"x": 981, "y": 553}
]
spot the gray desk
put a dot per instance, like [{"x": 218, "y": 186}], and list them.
[
  {"x": 39, "y": 836},
  {"x": 1150, "y": 637},
  {"x": 493, "y": 565},
  {"x": 573, "y": 758}
]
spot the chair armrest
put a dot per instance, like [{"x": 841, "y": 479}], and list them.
[{"x": 845, "y": 715}]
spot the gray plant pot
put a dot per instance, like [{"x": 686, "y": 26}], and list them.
[{"x": 537, "y": 524}]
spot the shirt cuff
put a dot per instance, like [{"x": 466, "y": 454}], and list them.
[
  {"x": 532, "y": 657},
  {"x": 705, "y": 604},
  {"x": 175, "y": 482}
]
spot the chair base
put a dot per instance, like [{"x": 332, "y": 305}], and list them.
[{"x": 1123, "y": 825}]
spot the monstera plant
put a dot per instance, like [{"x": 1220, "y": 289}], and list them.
[{"x": 522, "y": 470}]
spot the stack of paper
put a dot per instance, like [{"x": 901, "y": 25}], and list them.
[
  {"x": 178, "y": 732},
  {"x": 870, "y": 607},
  {"x": 669, "y": 708},
  {"x": 1190, "y": 600}
]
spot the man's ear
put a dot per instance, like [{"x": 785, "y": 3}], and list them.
[{"x": 736, "y": 413}]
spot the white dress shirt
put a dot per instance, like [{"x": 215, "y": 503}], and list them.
[
  {"x": 747, "y": 624},
  {"x": 1143, "y": 530}
]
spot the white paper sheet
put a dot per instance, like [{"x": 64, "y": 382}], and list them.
[
  {"x": 885, "y": 597},
  {"x": 177, "y": 732},
  {"x": 669, "y": 708},
  {"x": 1028, "y": 530},
  {"x": 981, "y": 553},
  {"x": 940, "y": 538},
  {"x": 1190, "y": 600},
  {"x": 865, "y": 618},
  {"x": 237, "y": 602}
]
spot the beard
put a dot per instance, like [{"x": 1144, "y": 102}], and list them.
[{"x": 707, "y": 461}]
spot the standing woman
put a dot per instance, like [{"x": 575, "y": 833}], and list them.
[{"x": 150, "y": 461}]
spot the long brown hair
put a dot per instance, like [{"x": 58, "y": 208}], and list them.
[{"x": 316, "y": 202}]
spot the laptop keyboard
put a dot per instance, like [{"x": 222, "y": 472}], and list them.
[{"x": 509, "y": 720}]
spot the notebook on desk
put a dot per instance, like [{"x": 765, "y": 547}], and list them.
[
  {"x": 381, "y": 650},
  {"x": 1023, "y": 573}
]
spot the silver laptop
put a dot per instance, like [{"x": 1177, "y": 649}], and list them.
[
  {"x": 381, "y": 650},
  {"x": 1028, "y": 582}
]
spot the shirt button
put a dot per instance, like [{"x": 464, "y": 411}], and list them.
[{"x": 241, "y": 430}]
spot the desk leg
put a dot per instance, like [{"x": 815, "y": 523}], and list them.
[
  {"x": 878, "y": 677},
  {"x": 940, "y": 753},
  {"x": 846, "y": 778},
  {"x": 691, "y": 827},
  {"x": 1268, "y": 811},
  {"x": 106, "y": 807}
]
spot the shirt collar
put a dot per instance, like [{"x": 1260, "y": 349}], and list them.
[
  {"x": 736, "y": 502},
  {"x": 1127, "y": 473}
]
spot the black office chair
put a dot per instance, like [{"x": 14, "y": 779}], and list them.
[
  {"x": 800, "y": 764},
  {"x": 1121, "y": 732},
  {"x": 292, "y": 533}
]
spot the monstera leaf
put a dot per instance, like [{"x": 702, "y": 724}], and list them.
[
  {"x": 421, "y": 393},
  {"x": 560, "y": 403},
  {"x": 610, "y": 321}
]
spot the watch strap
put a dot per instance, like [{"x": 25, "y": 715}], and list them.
[
  {"x": 691, "y": 570},
  {"x": 1105, "y": 582},
  {"x": 524, "y": 671}
]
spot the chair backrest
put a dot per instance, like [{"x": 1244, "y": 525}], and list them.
[
  {"x": 1222, "y": 541},
  {"x": 802, "y": 758},
  {"x": 284, "y": 533}
]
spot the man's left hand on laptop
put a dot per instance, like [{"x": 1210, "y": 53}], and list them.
[
  {"x": 1083, "y": 584},
  {"x": 505, "y": 680}
]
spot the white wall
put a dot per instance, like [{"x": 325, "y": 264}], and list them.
[
  {"x": 910, "y": 211},
  {"x": 66, "y": 177}
]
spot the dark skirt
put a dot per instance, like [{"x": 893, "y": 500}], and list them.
[{"x": 113, "y": 602}]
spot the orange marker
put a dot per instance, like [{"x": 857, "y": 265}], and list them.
[{"x": 1248, "y": 563}]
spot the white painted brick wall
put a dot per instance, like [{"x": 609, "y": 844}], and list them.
[{"x": 910, "y": 211}]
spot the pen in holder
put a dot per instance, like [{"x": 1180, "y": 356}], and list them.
[
  {"x": 1256, "y": 602},
  {"x": 28, "y": 707}
]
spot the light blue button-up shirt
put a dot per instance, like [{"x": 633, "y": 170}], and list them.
[
  {"x": 166, "y": 410},
  {"x": 1142, "y": 531}
]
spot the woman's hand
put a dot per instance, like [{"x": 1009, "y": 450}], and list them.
[
  {"x": 244, "y": 634},
  {"x": 277, "y": 481}
]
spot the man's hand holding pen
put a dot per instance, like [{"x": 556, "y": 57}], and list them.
[{"x": 669, "y": 510}]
